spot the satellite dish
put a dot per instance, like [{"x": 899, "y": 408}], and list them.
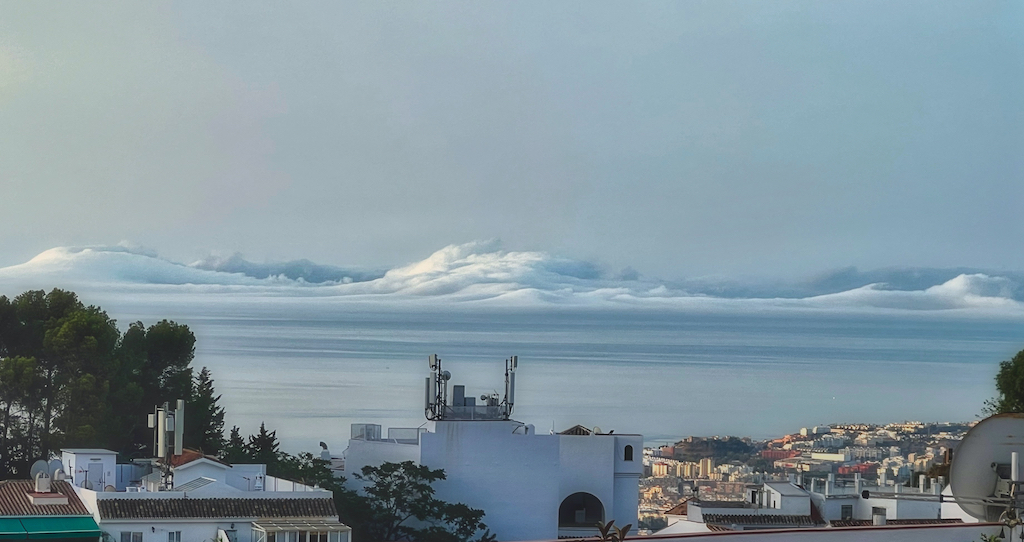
[
  {"x": 597, "y": 430},
  {"x": 55, "y": 466},
  {"x": 981, "y": 466},
  {"x": 447, "y": 375},
  {"x": 109, "y": 489},
  {"x": 40, "y": 466}
]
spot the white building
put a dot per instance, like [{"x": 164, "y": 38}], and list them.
[
  {"x": 209, "y": 501},
  {"x": 530, "y": 486}
]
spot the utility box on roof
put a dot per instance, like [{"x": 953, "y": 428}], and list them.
[{"x": 90, "y": 468}]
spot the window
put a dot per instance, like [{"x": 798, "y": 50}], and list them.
[
  {"x": 628, "y": 453},
  {"x": 847, "y": 511},
  {"x": 317, "y": 537},
  {"x": 174, "y": 536},
  {"x": 128, "y": 536}
]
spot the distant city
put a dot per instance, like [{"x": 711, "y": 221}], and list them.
[{"x": 831, "y": 458}]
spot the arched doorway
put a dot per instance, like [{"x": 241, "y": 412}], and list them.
[{"x": 580, "y": 510}]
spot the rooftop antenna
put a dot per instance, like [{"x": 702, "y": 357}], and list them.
[
  {"x": 985, "y": 475},
  {"x": 436, "y": 395},
  {"x": 510, "y": 386},
  {"x": 168, "y": 433}
]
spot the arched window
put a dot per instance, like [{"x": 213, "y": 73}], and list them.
[
  {"x": 628, "y": 453},
  {"x": 580, "y": 510}
]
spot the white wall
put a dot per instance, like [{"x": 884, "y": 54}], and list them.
[
  {"x": 627, "y": 479},
  {"x": 192, "y": 530},
  {"x": 965, "y": 532},
  {"x": 373, "y": 453},
  {"x": 514, "y": 478},
  {"x": 76, "y": 466},
  {"x": 200, "y": 469},
  {"x": 951, "y": 510},
  {"x": 518, "y": 479},
  {"x": 587, "y": 464}
]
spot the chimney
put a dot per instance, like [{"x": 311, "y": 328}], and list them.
[
  {"x": 43, "y": 493},
  {"x": 42, "y": 483}
]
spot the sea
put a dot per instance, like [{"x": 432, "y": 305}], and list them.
[
  {"x": 311, "y": 360},
  {"x": 309, "y": 372}
]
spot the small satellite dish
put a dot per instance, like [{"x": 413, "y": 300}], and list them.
[
  {"x": 40, "y": 466},
  {"x": 483, "y": 397},
  {"x": 981, "y": 466},
  {"x": 447, "y": 375},
  {"x": 109, "y": 489},
  {"x": 597, "y": 430},
  {"x": 55, "y": 466}
]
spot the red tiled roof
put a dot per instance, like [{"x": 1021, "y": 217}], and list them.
[
  {"x": 188, "y": 456},
  {"x": 14, "y": 500},
  {"x": 216, "y": 508}
]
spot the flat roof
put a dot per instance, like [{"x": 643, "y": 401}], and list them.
[
  {"x": 786, "y": 489},
  {"x": 88, "y": 451}
]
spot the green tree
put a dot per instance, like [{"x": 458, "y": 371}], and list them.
[
  {"x": 204, "y": 417},
  {"x": 170, "y": 348},
  {"x": 400, "y": 505},
  {"x": 235, "y": 450},
  {"x": 86, "y": 384},
  {"x": 1010, "y": 387},
  {"x": 18, "y": 379},
  {"x": 264, "y": 448}
]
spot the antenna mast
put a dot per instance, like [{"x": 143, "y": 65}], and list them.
[
  {"x": 510, "y": 386},
  {"x": 435, "y": 396},
  {"x": 168, "y": 432},
  {"x": 437, "y": 389}
]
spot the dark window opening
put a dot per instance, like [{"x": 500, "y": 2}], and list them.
[
  {"x": 580, "y": 510},
  {"x": 629, "y": 453}
]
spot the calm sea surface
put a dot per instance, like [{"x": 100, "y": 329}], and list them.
[{"x": 309, "y": 368}]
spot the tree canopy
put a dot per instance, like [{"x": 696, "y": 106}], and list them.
[
  {"x": 400, "y": 505},
  {"x": 1009, "y": 386},
  {"x": 69, "y": 378}
]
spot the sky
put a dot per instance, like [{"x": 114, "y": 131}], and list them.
[{"x": 674, "y": 138}]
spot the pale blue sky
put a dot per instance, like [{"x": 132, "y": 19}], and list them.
[{"x": 679, "y": 138}]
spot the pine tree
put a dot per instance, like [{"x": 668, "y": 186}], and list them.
[
  {"x": 204, "y": 417},
  {"x": 264, "y": 448},
  {"x": 235, "y": 450}
]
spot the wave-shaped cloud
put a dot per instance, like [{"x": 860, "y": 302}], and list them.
[{"x": 484, "y": 273}]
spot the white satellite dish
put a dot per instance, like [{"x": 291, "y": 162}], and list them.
[
  {"x": 54, "y": 467},
  {"x": 597, "y": 430},
  {"x": 40, "y": 466},
  {"x": 981, "y": 472}
]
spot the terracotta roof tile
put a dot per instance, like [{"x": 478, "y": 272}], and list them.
[
  {"x": 216, "y": 508},
  {"x": 188, "y": 456},
  {"x": 14, "y": 500}
]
